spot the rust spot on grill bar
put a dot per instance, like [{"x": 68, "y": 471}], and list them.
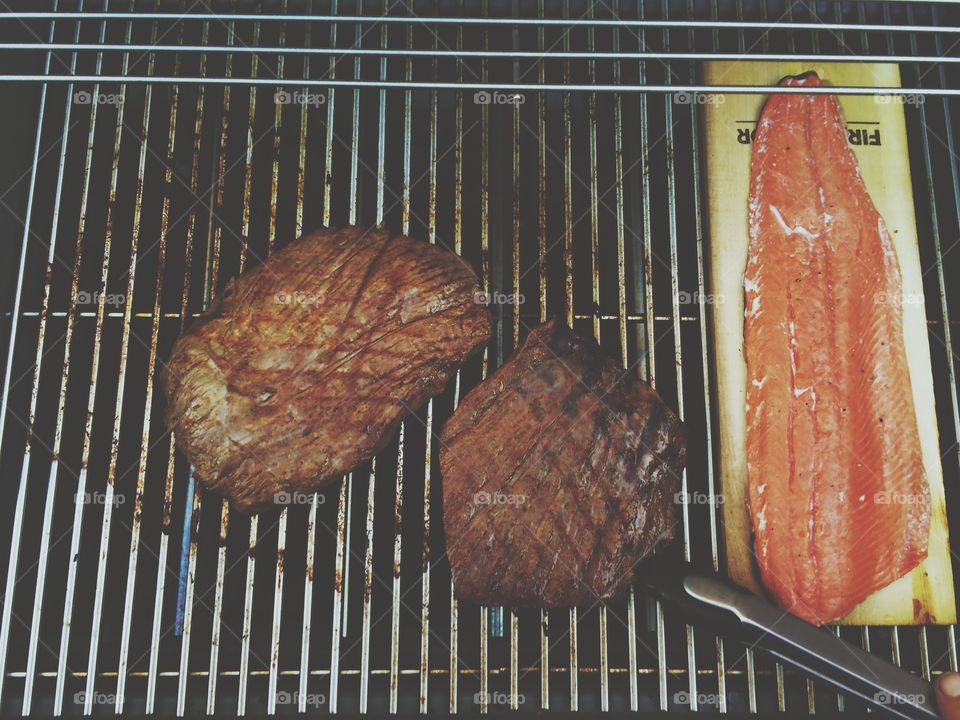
[{"x": 224, "y": 523}]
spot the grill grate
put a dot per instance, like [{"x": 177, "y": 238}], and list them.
[{"x": 588, "y": 203}]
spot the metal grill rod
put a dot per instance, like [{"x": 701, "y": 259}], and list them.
[
  {"x": 454, "y": 657},
  {"x": 459, "y": 54},
  {"x": 69, "y": 595},
  {"x": 224, "y": 505},
  {"x": 595, "y": 297},
  {"x": 678, "y": 349},
  {"x": 947, "y": 340},
  {"x": 282, "y": 528},
  {"x": 704, "y": 359},
  {"x": 505, "y": 87},
  {"x": 254, "y": 521},
  {"x": 955, "y": 176},
  {"x": 421, "y": 20},
  {"x": 621, "y": 321},
  {"x": 145, "y": 432},
  {"x": 17, "y": 530},
  {"x": 61, "y": 406},
  {"x": 118, "y": 407}
]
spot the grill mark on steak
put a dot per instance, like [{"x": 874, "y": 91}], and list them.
[
  {"x": 266, "y": 397},
  {"x": 563, "y": 445}
]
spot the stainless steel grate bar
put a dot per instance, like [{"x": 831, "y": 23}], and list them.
[
  {"x": 678, "y": 347},
  {"x": 712, "y": 493},
  {"x": 193, "y": 500},
  {"x": 54, "y": 465},
  {"x": 371, "y": 488},
  {"x": 254, "y": 521},
  {"x": 79, "y": 505},
  {"x": 217, "y": 204},
  {"x": 454, "y": 663},
  {"x": 552, "y": 55},
  {"x": 284, "y": 513},
  {"x": 471, "y": 86},
  {"x": 926, "y": 667},
  {"x": 131, "y": 585},
  {"x": 412, "y": 19}
]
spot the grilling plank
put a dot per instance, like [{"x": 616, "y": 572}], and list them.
[
  {"x": 306, "y": 365},
  {"x": 926, "y": 595},
  {"x": 560, "y": 472}
]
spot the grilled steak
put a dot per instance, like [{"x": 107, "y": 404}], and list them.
[
  {"x": 307, "y": 364},
  {"x": 560, "y": 472}
]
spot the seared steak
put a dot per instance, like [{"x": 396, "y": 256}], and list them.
[
  {"x": 560, "y": 472},
  {"x": 306, "y": 365}
]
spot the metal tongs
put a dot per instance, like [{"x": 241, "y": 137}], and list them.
[{"x": 814, "y": 651}]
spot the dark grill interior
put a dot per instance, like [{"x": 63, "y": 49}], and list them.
[{"x": 588, "y": 204}]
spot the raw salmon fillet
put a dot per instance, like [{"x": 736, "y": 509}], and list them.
[{"x": 836, "y": 485}]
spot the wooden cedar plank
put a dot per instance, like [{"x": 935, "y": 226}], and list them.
[{"x": 927, "y": 594}]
